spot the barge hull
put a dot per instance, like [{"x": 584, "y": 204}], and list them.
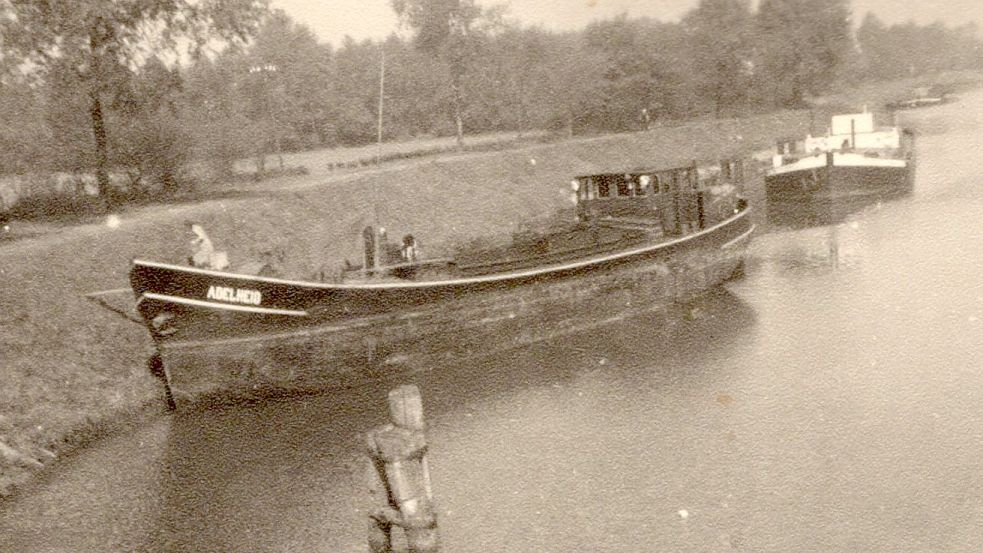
[{"x": 251, "y": 354}]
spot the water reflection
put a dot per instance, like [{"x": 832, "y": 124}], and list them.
[
  {"x": 821, "y": 251},
  {"x": 826, "y": 211},
  {"x": 817, "y": 234},
  {"x": 257, "y": 477}
]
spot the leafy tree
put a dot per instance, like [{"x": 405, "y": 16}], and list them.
[
  {"x": 515, "y": 87},
  {"x": 448, "y": 29},
  {"x": 574, "y": 85},
  {"x": 873, "y": 42},
  {"x": 66, "y": 115},
  {"x": 215, "y": 112},
  {"x": 908, "y": 49},
  {"x": 672, "y": 70},
  {"x": 415, "y": 90},
  {"x": 356, "y": 95},
  {"x": 149, "y": 138},
  {"x": 965, "y": 47},
  {"x": 289, "y": 81},
  {"x": 719, "y": 32},
  {"x": 99, "y": 41},
  {"x": 802, "y": 45},
  {"x": 635, "y": 71},
  {"x": 24, "y": 137}
]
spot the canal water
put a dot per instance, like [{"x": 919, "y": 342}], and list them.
[{"x": 831, "y": 400}]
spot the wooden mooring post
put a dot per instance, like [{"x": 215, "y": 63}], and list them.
[{"x": 398, "y": 477}]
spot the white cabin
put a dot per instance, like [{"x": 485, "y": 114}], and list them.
[{"x": 852, "y": 132}]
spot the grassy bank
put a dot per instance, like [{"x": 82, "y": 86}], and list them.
[
  {"x": 66, "y": 198},
  {"x": 72, "y": 372}
]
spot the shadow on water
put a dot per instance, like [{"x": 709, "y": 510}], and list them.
[
  {"x": 819, "y": 211},
  {"x": 11, "y": 237},
  {"x": 812, "y": 235},
  {"x": 266, "y": 474}
]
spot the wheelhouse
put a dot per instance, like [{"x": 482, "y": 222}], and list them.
[{"x": 678, "y": 199}]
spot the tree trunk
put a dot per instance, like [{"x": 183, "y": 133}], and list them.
[
  {"x": 102, "y": 150},
  {"x": 522, "y": 105},
  {"x": 460, "y": 129},
  {"x": 796, "y": 96},
  {"x": 458, "y": 117},
  {"x": 716, "y": 101},
  {"x": 98, "y": 36},
  {"x": 719, "y": 89}
]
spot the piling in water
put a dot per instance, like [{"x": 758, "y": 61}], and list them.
[{"x": 398, "y": 477}]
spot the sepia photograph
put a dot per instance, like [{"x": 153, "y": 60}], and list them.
[{"x": 522, "y": 276}]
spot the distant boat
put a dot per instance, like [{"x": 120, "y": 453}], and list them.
[
  {"x": 853, "y": 159},
  {"x": 912, "y": 103},
  {"x": 672, "y": 232},
  {"x": 922, "y": 97}
]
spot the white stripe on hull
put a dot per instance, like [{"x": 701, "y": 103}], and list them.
[
  {"x": 222, "y": 306},
  {"x": 744, "y": 236},
  {"x": 839, "y": 160},
  {"x": 452, "y": 282}
]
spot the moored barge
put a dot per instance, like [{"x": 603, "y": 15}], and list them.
[
  {"x": 854, "y": 158},
  {"x": 662, "y": 234}
]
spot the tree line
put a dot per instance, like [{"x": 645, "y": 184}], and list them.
[{"x": 147, "y": 88}]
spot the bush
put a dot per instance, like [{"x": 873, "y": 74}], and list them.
[
  {"x": 53, "y": 196},
  {"x": 154, "y": 149},
  {"x": 220, "y": 142}
]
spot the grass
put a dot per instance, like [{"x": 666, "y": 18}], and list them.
[
  {"x": 60, "y": 197},
  {"x": 69, "y": 367},
  {"x": 72, "y": 371}
]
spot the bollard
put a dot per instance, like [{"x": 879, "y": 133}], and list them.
[{"x": 398, "y": 477}]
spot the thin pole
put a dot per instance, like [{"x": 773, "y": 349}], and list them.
[
  {"x": 382, "y": 89},
  {"x": 378, "y": 152},
  {"x": 270, "y": 95}
]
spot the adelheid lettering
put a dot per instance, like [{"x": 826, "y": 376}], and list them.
[{"x": 235, "y": 295}]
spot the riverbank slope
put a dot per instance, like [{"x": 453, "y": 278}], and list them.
[{"x": 73, "y": 372}]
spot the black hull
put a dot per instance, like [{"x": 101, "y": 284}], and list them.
[
  {"x": 815, "y": 211},
  {"x": 811, "y": 198},
  {"x": 838, "y": 183},
  {"x": 228, "y": 335}
]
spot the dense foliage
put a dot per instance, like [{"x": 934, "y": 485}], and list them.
[
  {"x": 85, "y": 53},
  {"x": 104, "y": 89}
]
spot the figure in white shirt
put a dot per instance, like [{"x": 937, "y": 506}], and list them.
[{"x": 204, "y": 255}]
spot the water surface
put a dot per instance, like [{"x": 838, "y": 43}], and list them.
[{"x": 831, "y": 400}]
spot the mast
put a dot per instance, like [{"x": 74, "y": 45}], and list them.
[
  {"x": 378, "y": 153},
  {"x": 382, "y": 89}
]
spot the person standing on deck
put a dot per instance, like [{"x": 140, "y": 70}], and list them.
[
  {"x": 409, "y": 251},
  {"x": 204, "y": 255}
]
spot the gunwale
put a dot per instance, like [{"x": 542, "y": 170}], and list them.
[{"x": 478, "y": 279}]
